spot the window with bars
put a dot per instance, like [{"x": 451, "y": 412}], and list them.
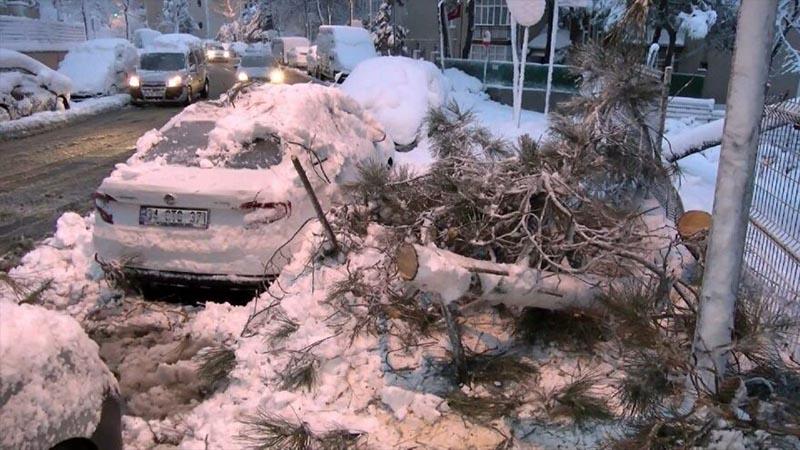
[
  {"x": 496, "y": 52},
  {"x": 491, "y": 12}
]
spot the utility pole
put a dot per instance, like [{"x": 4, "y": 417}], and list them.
[{"x": 734, "y": 191}]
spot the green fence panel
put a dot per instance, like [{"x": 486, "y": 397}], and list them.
[{"x": 501, "y": 73}]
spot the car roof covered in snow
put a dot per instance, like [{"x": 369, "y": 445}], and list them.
[
  {"x": 102, "y": 44},
  {"x": 58, "y": 83},
  {"x": 54, "y": 381},
  {"x": 176, "y": 41},
  {"x": 293, "y": 41}
]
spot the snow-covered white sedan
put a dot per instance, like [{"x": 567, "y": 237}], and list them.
[
  {"x": 100, "y": 66},
  {"x": 55, "y": 391},
  {"x": 28, "y": 86},
  {"x": 213, "y": 195}
]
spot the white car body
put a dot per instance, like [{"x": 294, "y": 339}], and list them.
[
  {"x": 144, "y": 37},
  {"x": 340, "y": 49},
  {"x": 281, "y": 46},
  {"x": 100, "y": 66},
  {"x": 28, "y": 86},
  {"x": 297, "y": 57},
  {"x": 254, "y": 66},
  {"x": 224, "y": 165}
]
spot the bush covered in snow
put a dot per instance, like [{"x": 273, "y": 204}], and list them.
[{"x": 398, "y": 92}]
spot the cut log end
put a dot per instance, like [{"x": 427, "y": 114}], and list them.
[
  {"x": 693, "y": 222},
  {"x": 407, "y": 262}
]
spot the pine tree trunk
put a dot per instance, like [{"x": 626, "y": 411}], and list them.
[
  {"x": 470, "y": 30},
  {"x": 734, "y": 191}
]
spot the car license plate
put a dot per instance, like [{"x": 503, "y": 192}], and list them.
[
  {"x": 153, "y": 92},
  {"x": 173, "y": 217}
]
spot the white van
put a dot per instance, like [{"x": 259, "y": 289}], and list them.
[
  {"x": 340, "y": 49},
  {"x": 281, "y": 46}
]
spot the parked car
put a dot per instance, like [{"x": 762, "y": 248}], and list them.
[
  {"x": 144, "y": 37},
  {"x": 281, "y": 46},
  {"x": 55, "y": 391},
  {"x": 256, "y": 66},
  {"x": 100, "y": 66},
  {"x": 340, "y": 49},
  {"x": 28, "y": 86},
  {"x": 215, "y": 51},
  {"x": 173, "y": 69},
  {"x": 211, "y": 196},
  {"x": 297, "y": 57},
  {"x": 311, "y": 60}
]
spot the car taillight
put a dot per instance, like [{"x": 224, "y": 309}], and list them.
[
  {"x": 101, "y": 202},
  {"x": 263, "y": 213}
]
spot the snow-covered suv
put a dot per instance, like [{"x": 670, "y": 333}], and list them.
[
  {"x": 28, "y": 86},
  {"x": 55, "y": 391}
]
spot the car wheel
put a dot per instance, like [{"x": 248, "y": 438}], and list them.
[
  {"x": 205, "y": 92},
  {"x": 5, "y": 116}
]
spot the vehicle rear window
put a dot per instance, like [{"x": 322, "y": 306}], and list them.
[
  {"x": 163, "y": 61},
  {"x": 180, "y": 144},
  {"x": 255, "y": 61}
]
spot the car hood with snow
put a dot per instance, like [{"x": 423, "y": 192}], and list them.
[
  {"x": 398, "y": 92},
  {"x": 226, "y": 169},
  {"x": 45, "y": 76}
]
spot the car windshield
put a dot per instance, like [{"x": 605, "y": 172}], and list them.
[
  {"x": 163, "y": 61},
  {"x": 180, "y": 144},
  {"x": 255, "y": 61},
  {"x": 214, "y": 47}
]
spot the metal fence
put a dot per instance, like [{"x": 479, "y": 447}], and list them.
[{"x": 772, "y": 251}]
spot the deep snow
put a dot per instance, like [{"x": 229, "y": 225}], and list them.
[{"x": 53, "y": 119}]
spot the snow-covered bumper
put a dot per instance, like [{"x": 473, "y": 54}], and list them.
[{"x": 220, "y": 255}]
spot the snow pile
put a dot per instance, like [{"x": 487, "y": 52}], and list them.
[
  {"x": 52, "y": 119},
  {"x": 56, "y": 82},
  {"x": 65, "y": 265},
  {"x": 461, "y": 82},
  {"x": 95, "y": 65},
  {"x": 52, "y": 380},
  {"x": 354, "y": 389},
  {"x": 398, "y": 91},
  {"x": 466, "y": 92}
]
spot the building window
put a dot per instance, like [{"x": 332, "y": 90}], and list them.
[
  {"x": 491, "y": 12},
  {"x": 200, "y": 25},
  {"x": 496, "y": 52},
  {"x": 199, "y": 3}
]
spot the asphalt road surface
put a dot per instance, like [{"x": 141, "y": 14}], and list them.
[{"x": 44, "y": 175}]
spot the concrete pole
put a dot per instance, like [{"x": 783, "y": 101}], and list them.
[
  {"x": 734, "y": 190},
  {"x": 207, "y": 23}
]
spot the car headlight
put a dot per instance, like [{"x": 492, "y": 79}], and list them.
[
  {"x": 134, "y": 81},
  {"x": 276, "y": 76},
  {"x": 242, "y": 76},
  {"x": 174, "y": 81},
  {"x": 226, "y": 54}
]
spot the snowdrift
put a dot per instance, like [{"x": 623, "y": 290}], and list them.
[
  {"x": 398, "y": 91},
  {"x": 53, "y": 380}
]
